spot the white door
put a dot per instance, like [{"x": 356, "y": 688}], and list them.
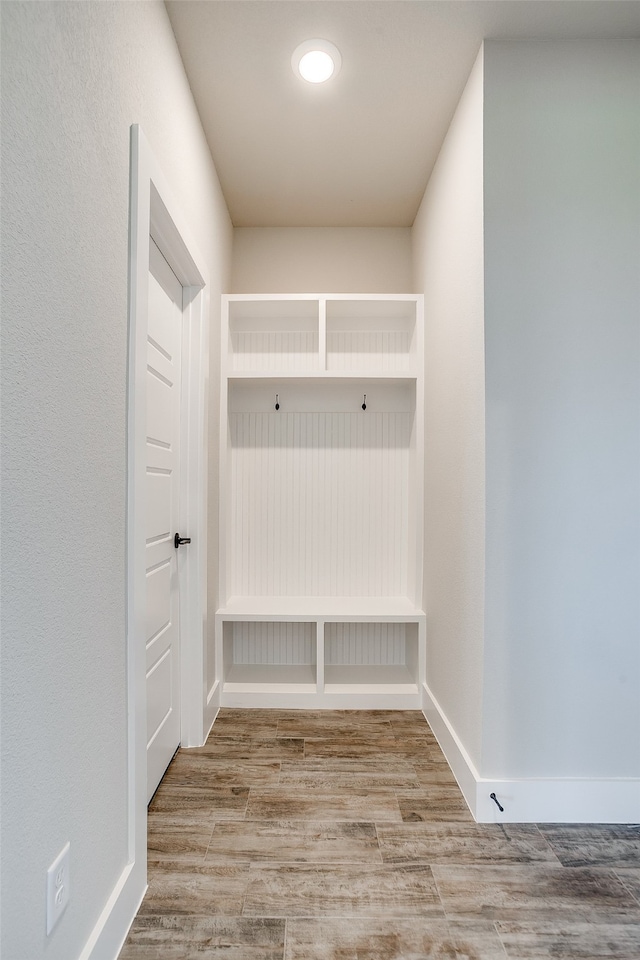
[{"x": 162, "y": 504}]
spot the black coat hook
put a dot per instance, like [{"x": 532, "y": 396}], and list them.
[
  {"x": 364, "y": 402},
  {"x": 497, "y": 802},
  {"x": 277, "y": 402}
]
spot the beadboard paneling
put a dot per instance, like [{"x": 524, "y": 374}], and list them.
[
  {"x": 281, "y": 350},
  {"x": 365, "y": 643},
  {"x": 383, "y": 350},
  {"x": 269, "y": 642},
  {"x": 319, "y": 503}
]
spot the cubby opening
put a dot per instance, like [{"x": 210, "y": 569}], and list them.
[
  {"x": 280, "y": 654},
  {"x": 381, "y": 656},
  {"x": 371, "y": 335},
  {"x": 273, "y": 335}
]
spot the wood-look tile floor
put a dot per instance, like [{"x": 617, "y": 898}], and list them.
[{"x": 343, "y": 836}]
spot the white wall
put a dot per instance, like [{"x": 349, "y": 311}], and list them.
[
  {"x": 448, "y": 268},
  {"x": 562, "y": 318},
  {"x": 74, "y": 77},
  {"x": 321, "y": 260}
]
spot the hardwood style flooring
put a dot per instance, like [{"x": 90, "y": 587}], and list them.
[{"x": 343, "y": 836}]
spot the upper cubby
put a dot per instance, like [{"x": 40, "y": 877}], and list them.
[
  {"x": 377, "y": 336},
  {"x": 275, "y": 336}
]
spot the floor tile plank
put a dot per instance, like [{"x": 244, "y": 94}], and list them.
[
  {"x": 335, "y": 775},
  {"x": 631, "y": 880},
  {"x": 195, "y": 889},
  {"x": 174, "y": 838},
  {"x": 327, "y": 727},
  {"x": 476, "y": 940},
  {"x": 570, "y": 941},
  {"x": 244, "y": 748},
  {"x": 341, "y": 890},
  {"x": 534, "y": 892},
  {"x": 294, "y": 841},
  {"x": 284, "y": 803},
  {"x": 328, "y": 938},
  {"x": 200, "y": 802},
  {"x": 605, "y": 845},
  {"x": 204, "y": 938},
  {"x": 376, "y": 748},
  {"x": 463, "y": 843},
  {"x": 244, "y": 724},
  {"x": 434, "y": 803},
  {"x": 202, "y": 772},
  {"x": 432, "y": 773}
]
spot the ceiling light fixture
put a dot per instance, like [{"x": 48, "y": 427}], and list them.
[{"x": 316, "y": 60}]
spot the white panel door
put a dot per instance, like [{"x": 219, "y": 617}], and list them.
[{"x": 164, "y": 338}]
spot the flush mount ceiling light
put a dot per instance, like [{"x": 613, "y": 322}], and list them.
[{"x": 316, "y": 60}]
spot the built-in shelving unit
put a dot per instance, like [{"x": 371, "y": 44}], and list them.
[{"x": 321, "y": 502}]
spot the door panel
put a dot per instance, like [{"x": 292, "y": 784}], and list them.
[
  {"x": 159, "y": 503},
  {"x": 159, "y": 691},
  {"x": 162, "y": 511},
  {"x": 159, "y": 400},
  {"x": 158, "y": 600}
]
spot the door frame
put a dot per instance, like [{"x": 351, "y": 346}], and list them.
[{"x": 155, "y": 213}]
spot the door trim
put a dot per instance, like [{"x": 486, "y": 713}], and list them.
[{"x": 154, "y": 212}]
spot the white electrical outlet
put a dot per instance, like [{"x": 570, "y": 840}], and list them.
[{"x": 58, "y": 888}]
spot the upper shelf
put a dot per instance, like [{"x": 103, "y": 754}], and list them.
[
  {"x": 300, "y": 376},
  {"x": 322, "y": 335}
]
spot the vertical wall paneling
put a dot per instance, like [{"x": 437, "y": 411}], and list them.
[
  {"x": 365, "y": 643},
  {"x": 281, "y": 350},
  {"x": 319, "y": 503},
  {"x": 272, "y": 642}
]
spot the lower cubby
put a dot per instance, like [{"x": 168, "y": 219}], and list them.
[
  {"x": 271, "y": 654},
  {"x": 320, "y": 661},
  {"x": 380, "y": 657}
]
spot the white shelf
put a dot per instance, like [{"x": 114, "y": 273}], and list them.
[
  {"x": 251, "y": 678},
  {"x": 363, "y": 375},
  {"x": 379, "y": 678},
  {"x": 352, "y": 609}
]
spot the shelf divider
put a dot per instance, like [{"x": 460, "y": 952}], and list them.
[
  {"x": 320, "y": 656},
  {"x": 322, "y": 335}
]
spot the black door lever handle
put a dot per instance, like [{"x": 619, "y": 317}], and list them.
[{"x": 177, "y": 540}]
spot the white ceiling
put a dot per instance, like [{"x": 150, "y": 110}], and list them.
[{"x": 358, "y": 150}]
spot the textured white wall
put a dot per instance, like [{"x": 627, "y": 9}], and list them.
[
  {"x": 448, "y": 268},
  {"x": 321, "y": 260},
  {"x": 74, "y": 77},
  {"x": 562, "y": 316}
]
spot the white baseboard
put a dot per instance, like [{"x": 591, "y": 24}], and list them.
[
  {"x": 211, "y": 708},
  {"x": 566, "y": 800},
  {"x": 110, "y": 932},
  {"x": 457, "y": 757},
  {"x": 553, "y": 800}
]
